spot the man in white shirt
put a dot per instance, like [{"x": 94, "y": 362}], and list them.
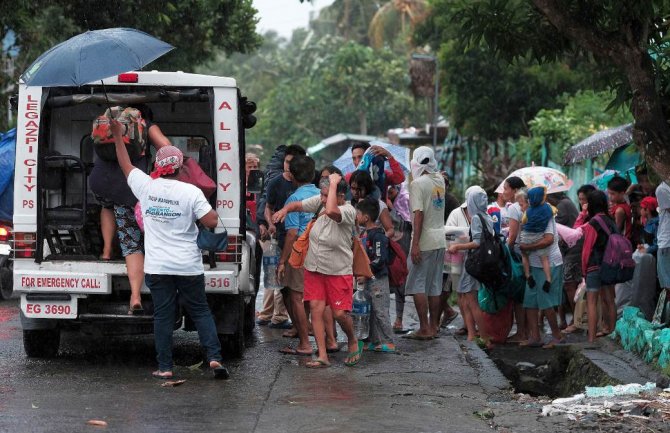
[
  {"x": 173, "y": 261},
  {"x": 426, "y": 262}
]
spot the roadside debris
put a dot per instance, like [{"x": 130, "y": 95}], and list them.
[
  {"x": 97, "y": 423},
  {"x": 608, "y": 401},
  {"x": 172, "y": 383}
]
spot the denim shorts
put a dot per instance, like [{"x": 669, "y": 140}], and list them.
[{"x": 593, "y": 283}]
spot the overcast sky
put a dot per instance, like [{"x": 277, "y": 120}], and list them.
[{"x": 285, "y": 15}]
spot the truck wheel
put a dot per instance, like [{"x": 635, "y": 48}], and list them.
[
  {"x": 6, "y": 279},
  {"x": 250, "y": 317},
  {"x": 6, "y": 283},
  {"x": 233, "y": 344},
  {"x": 42, "y": 343}
]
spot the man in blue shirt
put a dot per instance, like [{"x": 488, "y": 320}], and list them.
[{"x": 302, "y": 172}]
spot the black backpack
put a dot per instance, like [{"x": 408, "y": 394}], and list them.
[{"x": 487, "y": 263}]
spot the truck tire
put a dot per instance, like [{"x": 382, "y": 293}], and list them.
[
  {"x": 233, "y": 345},
  {"x": 250, "y": 317},
  {"x": 6, "y": 281},
  {"x": 42, "y": 343}
]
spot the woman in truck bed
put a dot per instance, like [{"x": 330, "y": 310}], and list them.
[{"x": 117, "y": 215}]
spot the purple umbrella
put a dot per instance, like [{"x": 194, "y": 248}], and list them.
[{"x": 599, "y": 143}]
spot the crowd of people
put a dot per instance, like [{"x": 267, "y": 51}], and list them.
[
  {"x": 561, "y": 249},
  {"x": 583, "y": 262}
]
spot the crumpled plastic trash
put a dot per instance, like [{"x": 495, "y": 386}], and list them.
[
  {"x": 569, "y": 400},
  {"x": 616, "y": 390}
]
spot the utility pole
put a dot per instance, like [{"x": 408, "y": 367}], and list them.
[{"x": 429, "y": 58}]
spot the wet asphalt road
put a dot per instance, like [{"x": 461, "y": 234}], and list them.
[{"x": 430, "y": 387}]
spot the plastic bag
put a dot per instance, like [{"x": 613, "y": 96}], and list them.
[{"x": 637, "y": 255}]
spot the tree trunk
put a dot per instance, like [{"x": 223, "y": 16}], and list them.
[
  {"x": 651, "y": 131},
  {"x": 363, "y": 121},
  {"x": 628, "y": 51}
]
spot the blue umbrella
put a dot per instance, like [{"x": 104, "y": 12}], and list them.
[
  {"x": 600, "y": 181},
  {"x": 624, "y": 158},
  {"x": 94, "y": 55},
  {"x": 401, "y": 154}
]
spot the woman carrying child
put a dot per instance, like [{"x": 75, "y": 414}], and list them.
[
  {"x": 546, "y": 300},
  {"x": 538, "y": 214}
]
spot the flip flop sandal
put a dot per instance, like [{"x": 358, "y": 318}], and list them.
[
  {"x": 384, "y": 348},
  {"x": 554, "y": 342},
  {"x": 529, "y": 343},
  {"x": 292, "y": 351},
  {"x": 415, "y": 336},
  {"x": 600, "y": 334},
  {"x": 163, "y": 375},
  {"x": 317, "y": 363},
  {"x": 448, "y": 320},
  {"x": 370, "y": 347},
  {"x": 136, "y": 311},
  {"x": 358, "y": 353},
  {"x": 221, "y": 373},
  {"x": 461, "y": 331},
  {"x": 333, "y": 349}
]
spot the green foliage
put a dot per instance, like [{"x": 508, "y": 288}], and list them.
[
  {"x": 581, "y": 115},
  {"x": 197, "y": 28},
  {"x": 495, "y": 99},
  {"x": 313, "y": 87},
  {"x": 351, "y": 89}
]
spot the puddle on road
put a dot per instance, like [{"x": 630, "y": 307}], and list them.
[{"x": 560, "y": 372}]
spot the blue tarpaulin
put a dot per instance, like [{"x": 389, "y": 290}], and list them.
[{"x": 7, "y": 158}]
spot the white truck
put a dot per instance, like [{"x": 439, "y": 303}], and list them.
[{"x": 56, "y": 238}]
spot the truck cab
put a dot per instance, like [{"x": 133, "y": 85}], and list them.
[{"x": 56, "y": 237}]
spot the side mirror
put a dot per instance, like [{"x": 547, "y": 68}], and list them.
[{"x": 255, "y": 182}]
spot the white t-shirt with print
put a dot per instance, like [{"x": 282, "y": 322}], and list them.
[
  {"x": 170, "y": 209},
  {"x": 427, "y": 194}
]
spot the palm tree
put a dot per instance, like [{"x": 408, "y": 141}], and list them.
[{"x": 396, "y": 20}]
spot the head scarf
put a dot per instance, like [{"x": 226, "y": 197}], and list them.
[
  {"x": 168, "y": 160},
  {"x": 423, "y": 161},
  {"x": 539, "y": 213},
  {"x": 536, "y": 196},
  {"x": 477, "y": 200},
  {"x": 649, "y": 203}
]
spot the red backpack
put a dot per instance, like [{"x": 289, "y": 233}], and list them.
[{"x": 398, "y": 266}]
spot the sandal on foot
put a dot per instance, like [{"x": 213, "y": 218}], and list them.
[
  {"x": 555, "y": 342},
  {"x": 291, "y": 351},
  {"x": 136, "y": 310},
  {"x": 462, "y": 331},
  {"x": 317, "y": 363},
  {"x": 355, "y": 357},
  {"x": 386, "y": 348},
  {"x": 164, "y": 375},
  {"x": 220, "y": 372},
  {"x": 603, "y": 333},
  {"x": 570, "y": 329},
  {"x": 415, "y": 336},
  {"x": 447, "y": 320},
  {"x": 332, "y": 349},
  {"x": 369, "y": 347},
  {"x": 530, "y": 343}
]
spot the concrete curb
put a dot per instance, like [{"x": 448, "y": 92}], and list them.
[{"x": 490, "y": 378}]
